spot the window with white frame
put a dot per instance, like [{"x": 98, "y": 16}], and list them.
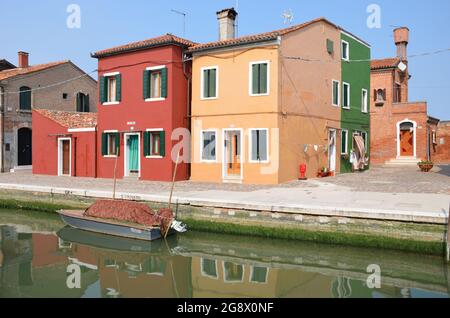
[
  {"x": 209, "y": 83},
  {"x": 259, "y": 78},
  {"x": 154, "y": 143},
  {"x": 336, "y": 93},
  {"x": 344, "y": 142},
  {"x": 259, "y": 274},
  {"x": 345, "y": 51},
  {"x": 208, "y": 145},
  {"x": 364, "y": 101},
  {"x": 259, "y": 139},
  {"x": 110, "y": 143},
  {"x": 346, "y": 95},
  {"x": 110, "y": 88},
  {"x": 155, "y": 83},
  {"x": 209, "y": 268}
]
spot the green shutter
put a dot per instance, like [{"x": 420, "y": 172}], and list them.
[
  {"x": 146, "y": 143},
  {"x": 164, "y": 83},
  {"x": 330, "y": 46},
  {"x": 118, "y": 88},
  {"x": 117, "y": 143},
  {"x": 104, "y": 144},
  {"x": 146, "y": 84},
  {"x": 206, "y": 83},
  {"x": 255, "y": 79},
  {"x": 87, "y": 107},
  {"x": 212, "y": 83},
  {"x": 263, "y": 78},
  {"x": 162, "y": 143},
  {"x": 103, "y": 89}
]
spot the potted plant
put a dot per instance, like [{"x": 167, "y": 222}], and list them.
[
  {"x": 425, "y": 165},
  {"x": 323, "y": 172}
]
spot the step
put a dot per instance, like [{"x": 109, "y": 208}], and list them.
[{"x": 406, "y": 161}]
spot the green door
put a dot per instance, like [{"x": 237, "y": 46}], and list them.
[{"x": 133, "y": 153}]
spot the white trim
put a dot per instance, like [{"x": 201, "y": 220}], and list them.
[
  {"x": 125, "y": 136},
  {"x": 60, "y": 157},
  {"x": 225, "y": 276},
  {"x": 343, "y": 95},
  {"x": 364, "y": 101},
  {"x": 110, "y": 103},
  {"x": 224, "y": 155},
  {"x": 201, "y": 145},
  {"x": 81, "y": 129},
  {"x": 110, "y": 156},
  {"x": 346, "y": 142},
  {"x": 250, "y": 146},
  {"x": 110, "y": 74},
  {"x": 347, "y": 59},
  {"x": 110, "y": 131},
  {"x": 355, "y": 38},
  {"x": 154, "y": 129},
  {"x": 204, "y": 274},
  {"x": 155, "y": 68},
  {"x": 250, "y": 280},
  {"x": 250, "y": 78},
  {"x": 202, "y": 80},
  {"x": 338, "y": 92},
  {"x": 157, "y": 99},
  {"x": 154, "y": 157},
  {"x": 330, "y": 132},
  {"x": 414, "y": 136}
]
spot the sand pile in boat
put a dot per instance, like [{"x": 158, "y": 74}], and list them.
[{"x": 128, "y": 211}]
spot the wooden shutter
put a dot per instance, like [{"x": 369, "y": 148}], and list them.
[
  {"x": 164, "y": 83},
  {"x": 262, "y": 145},
  {"x": 118, "y": 88},
  {"x": 330, "y": 46},
  {"x": 146, "y": 84},
  {"x": 79, "y": 103},
  {"x": 384, "y": 94},
  {"x": 205, "y": 84},
  {"x": 117, "y": 135},
  {"x": 146, "y": 143},
  {"x": 86, "y": 104},
  {"x": 162, "y": 143},
  {"x": 103, "y": 89},
  {"x": 263, "y": 78},
  {"x": 212, "y": 83},
  {"x": 255, "y": 79},
  {"x": 104, "y": 144}
]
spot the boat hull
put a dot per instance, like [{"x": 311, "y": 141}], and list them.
[{"x": 111, "y": 228}]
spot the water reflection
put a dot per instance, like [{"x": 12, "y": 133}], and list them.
[{"x": 41, "y": 264}]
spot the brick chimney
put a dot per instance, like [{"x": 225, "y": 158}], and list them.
[
  {"x": 23, "y": 59},
  {"x": 401, "y": 38},
  {"x": 227, "y": 24}
]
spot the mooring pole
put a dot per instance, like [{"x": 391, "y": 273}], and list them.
[
  {"x": 447, "y": 237},
  {"x": 115, "y": 178}
]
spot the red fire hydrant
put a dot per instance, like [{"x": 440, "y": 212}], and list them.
[{"x": 302, "y": 172}]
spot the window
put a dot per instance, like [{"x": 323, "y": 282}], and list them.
[
  {"x": 233, "y": 272},
  {"x": 397, "y": 93},
  {"x": 366, "y": 141},
  {"x": 25, "y": 98},
  {"x": 154, "y": 143},
  {"x": 336, "y": 93},
  {"x": 259, "y": 145},
  {"x": 344, "y": 142},
  {"x": 364, "y": 101},
  {"x": 2, "y": 94},
  {"x": 82, "y": 103},
  {"x": 65, "y": 95},
  {"x": 346, "y": 95},
  {"x": 209, "y": 268},
  {"x": 345, "y": 51},
  {"x": 210, "y": 85},
  {"x": 155, "y": 83},
  {"x": 330, "y": 46},
  {"x": 110, "y": 88},
  {"x": 433, "y": 137},
  {"x": 259, "y": 78},
  {"x": 208, "y": 145},
  {"x": 110, "y": 143},
  {"x": 259, "y": 274}
]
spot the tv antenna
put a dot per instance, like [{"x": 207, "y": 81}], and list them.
[
  {"x": 184, "y": 14},
  {"x": 288, "y": 16}
]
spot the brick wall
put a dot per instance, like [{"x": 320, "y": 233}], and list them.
[{"x": 441, "y": 150}]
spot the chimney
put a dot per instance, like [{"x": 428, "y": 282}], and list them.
[
  {"x": 227, "y": 19},
  {"x": 23, "y": 59},
  {"x": 401, "y": 38}
]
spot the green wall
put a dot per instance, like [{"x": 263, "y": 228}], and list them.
[{"x": 357, "y": 74}]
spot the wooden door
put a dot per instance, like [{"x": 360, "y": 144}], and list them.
[
  {"x": 406, "y": 143},
  {"x": 234, "y": 160},
  {"x": 66, "y": 157}
]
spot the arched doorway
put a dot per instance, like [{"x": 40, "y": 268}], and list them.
[
  {"x": 24, "y": 147},
  {"x": 406, "y": 143}
]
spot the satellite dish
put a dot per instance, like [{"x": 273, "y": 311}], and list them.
[
  {"x": 402, "y": 66},
  {"x": 288, "y": 16}
]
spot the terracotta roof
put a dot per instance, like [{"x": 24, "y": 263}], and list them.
[
  {"x": 27, "y": 70},
  {"x": 70, "y": 119},
  {"x": 140, "y": 45},
  {"x": 261, "y": 37},
  {"x": 384, "y": 63}
]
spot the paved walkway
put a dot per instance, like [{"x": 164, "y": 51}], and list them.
[{"x": 382, "y": 193}]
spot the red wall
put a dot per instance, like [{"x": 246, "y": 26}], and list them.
[
  {"x": 168, "y": 114},
  {"x": 45, "y": 148}
]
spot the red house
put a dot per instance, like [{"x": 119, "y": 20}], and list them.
[
  {"x": 143, "y": 97},
  {"x": 64, "y": 143}
]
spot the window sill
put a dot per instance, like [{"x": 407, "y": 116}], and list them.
[
  {"x": 346, "y": 107},
  {"x": 259, "y": 162},
  {"x": 208, "y": 161},
  {"x": 256, "y": 95},
  {"x": 110, "y": 156},
  {"x": 24, "y": 111},
  {"x": 159, "y": 99},
  {"x": 334, "y": 105},
  {"x": 154, "y": 157},
  {"x": 208, "y": 98},
  {"x": 110, "y": 103}
]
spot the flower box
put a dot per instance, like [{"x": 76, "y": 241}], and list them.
[{"x": 425, "y": 166}]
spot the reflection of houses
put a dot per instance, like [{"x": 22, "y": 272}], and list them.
[
  {"x": 402, "y": 131},
  {"x": 26, "y": 87}
]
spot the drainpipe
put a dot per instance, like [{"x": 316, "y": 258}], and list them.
[
  {"x": 95, "y": 153},
  {"x": 2, "y": 131},
  {"x": 428, "y": 143},
  {"x": 188, "y": 103},
  {"x": 74, "y": 156}
]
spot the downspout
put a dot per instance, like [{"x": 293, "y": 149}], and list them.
[
  {"x": 2, "y": 113},
  {"x": 95, "y": 152},
  {"x": 188, "y": 104},
  {"x": 74, "y": 156}
]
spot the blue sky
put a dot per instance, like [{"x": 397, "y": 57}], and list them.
[{"x": 39, "y": 27}]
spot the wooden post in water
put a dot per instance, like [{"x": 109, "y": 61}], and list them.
[
  {"x": 447, "y": 238},
  {"x": 171, "y": 191},
  {"x": 115, "y": 178}
]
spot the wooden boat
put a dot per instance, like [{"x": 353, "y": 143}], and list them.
[{"x": 77, "y": 219}]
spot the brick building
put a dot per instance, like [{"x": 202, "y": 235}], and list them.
[
  {"x": 58, "y": 86},
  {"x": 441, "y": 143},
  {"x": 401, "y": 130}
]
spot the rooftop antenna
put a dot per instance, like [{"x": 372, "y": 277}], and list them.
[
  {"x": 288, "y": 16},
  {"x": 184, "y": 14}
]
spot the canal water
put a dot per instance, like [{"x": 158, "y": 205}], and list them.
[{"x": 40, "y": 257}]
